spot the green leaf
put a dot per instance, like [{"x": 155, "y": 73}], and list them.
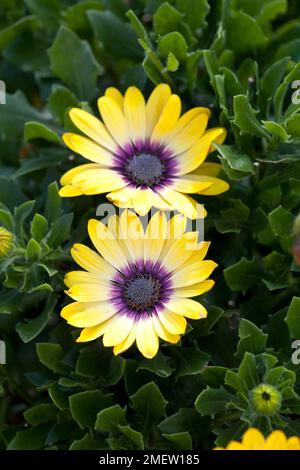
[
  {"x": 281, "y": 222},
  {"x": 30, "y": 439},
  {"x": 276, "y": 130},
  {"x": 135, "y": 438},
  {"x": 39, "y": 227},
  {"x": 248, "y": 370},
  {"x": 195, "y": 12},
  {"x": 60, "y": 230},
  {"x": 53, "y": 203},
  {"x": 52, "y": 355},
  {"x": 245, "y": 117},
  {"x": 293, "y": 318},
  {"x": 33, "y": 249},
  {"x": 252, "y": 339},
  {"x": 20, "y": 215},
  {"x": 189, "y": 361},
  {"x": 180, "y": 440},
  {"x": 292, "y": 126},
  {"x": 173, "y": 43},
  {"x": 242, "y": 275},
  {"x": 110, "y": 419},
  {"x": 37, "y": 130},
  {"x": 138, "y": 26},
  {"x": 166, "y": 19},
  {"x": 172, "y": 63},
  {"x": 8, "y": 34},
  {"x": 183, "y": 419},
  {"x": 60, "y": 100},
  {"x": 87, "y": 443},
  {"x": 86, "y": 405},
  {"x": 243, "y": 32},
  {"x": 234, "y": 219},
  {"x": 40, "y": 414},
  {"x": 117, "y": 38},
  {"x": 212, "y": 401},
  {"x": 159, "y": 365},
  {"x": 69, "y": 56},
  {"x": 237, "y": 161},
  {"x": 149, "y": 404}
]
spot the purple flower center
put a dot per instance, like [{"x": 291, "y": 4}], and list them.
[
  {"x": 145, "y": 169},
  {"x": 146, "y": 164},
  {"x": 142, "y": 292},
  {"x": 141, "y": 287}
]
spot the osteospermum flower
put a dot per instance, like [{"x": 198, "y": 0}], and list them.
[
  {"x": 138, "y": 287},
  {"x": 144, "y": 154},
  {"x": 253, "y": 439}
]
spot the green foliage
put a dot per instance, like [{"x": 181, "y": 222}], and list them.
[{"x": 238, "y": 57}]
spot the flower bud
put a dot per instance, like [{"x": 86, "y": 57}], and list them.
[
  {"x": 265, "y": 399},
  {"x": 6, "y": 242}
]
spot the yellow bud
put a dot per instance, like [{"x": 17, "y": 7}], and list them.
[
  {"x": 6, "y": 242},
  {"x": 265, "y": 399}
]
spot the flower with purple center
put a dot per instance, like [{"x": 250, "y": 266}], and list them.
[
  {"x": 138, "y": 286},
  {"x": 144, "y": 154}
]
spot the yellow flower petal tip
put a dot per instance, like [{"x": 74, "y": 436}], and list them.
[
  {"x": 253, "y": 439},
  {"x": 137, "y": 288},
  {"x": 144, "y": 154}
]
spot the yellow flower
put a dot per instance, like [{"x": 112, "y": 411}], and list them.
[
  {"x": 144, "y": 154},
  {"x": 138, "y": 287},
  {"x": 6, "y": 239},
  {"x": 254, "y": 440}
]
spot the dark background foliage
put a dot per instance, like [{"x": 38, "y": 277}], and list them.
[{"x": 240, "y": 58}]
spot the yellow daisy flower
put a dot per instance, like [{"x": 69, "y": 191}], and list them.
[
  {"x": 144, "y": 154},
  {"x": 253, "y": 439},
  {"x": 138, "y": 287}
]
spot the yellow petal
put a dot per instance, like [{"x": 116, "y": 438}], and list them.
[
  {"x": 187, "y": 307},
  {"x": 168, "y": 119},
  {"x": 156, "y": 104},
  {"x": 126, "y": 343},
  {"x": 276, "y": 441},
  {"x": 91, "y": 261},
  {"x": 86, "y": 314},
  {"x": 146, "y": 337},
  {"x": 175, "y": 230},
  {"x": 189, "y": 134},
  {"x": 194, "y": 289},
  {"x": 132, "y": 232},
  {"x": 208, "y": 169},
  {"x": 123, "y": 195},
  {"x": 234, "y": 445},
  {"x": 118, "y": 329},
  {"x": 69, "y": 175},
  {"x": 98, "y": 181},
  {"x": 162, "y": 332},
  {"x": 80, "y": 277},
  {"x": 93, "y": 332},
  {"x": 253, "y": 439},
  {"x": 183, "y": 203},
  {"x": 192, "y": 184},
  {"x": 178, "y": 252},
  {"x": 135, "y": 114},
  {"x": 115, "y": 95},
  {"x": 142, "y": 200},
  {"x": 70, "y": 191},
  {"x": 88, "y": 149},
  {"x": 155, "y": 236},
  {"x": 192, "y": 274},
  {"x": 106, "y": 243},
  {"x": 113, "y": 119},
  {"x": 92, "y": 127},
  {"x": 215, "y": 185},
  {"x": 293, "y": 443},
  {"x": 175, "y": 324},
  {"x": 197, "y": 153},
  {"x": 90, "y": 292}
]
